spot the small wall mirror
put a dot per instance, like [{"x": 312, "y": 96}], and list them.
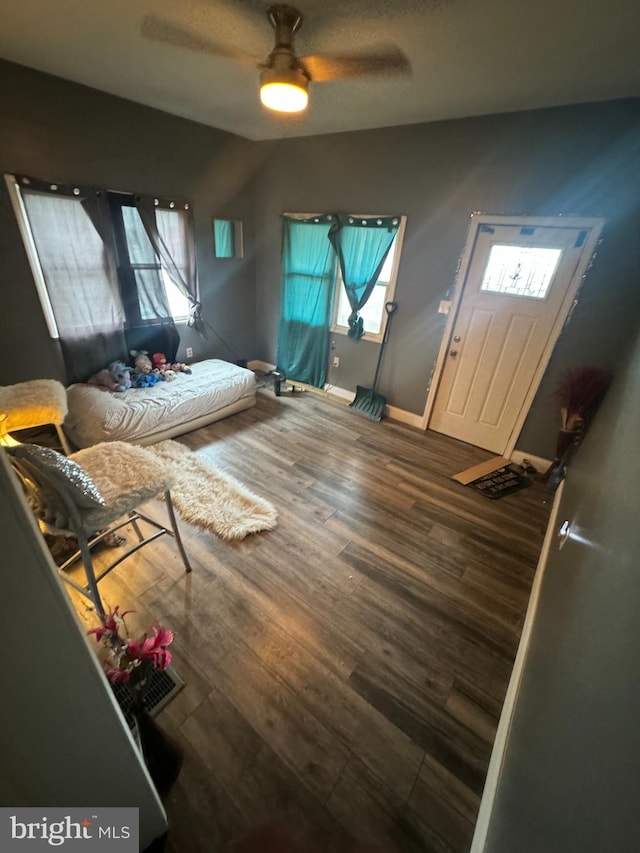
[{"x": 227, "y": 238}]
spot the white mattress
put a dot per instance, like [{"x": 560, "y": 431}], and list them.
[{"x": 96, "y": 414}]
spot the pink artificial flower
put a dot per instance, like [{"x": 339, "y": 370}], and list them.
[
  {"x": 163, "y": 637},
  {"x": 110, "y": 623},
  {"x": 153, "y": 648},
  {"x": 162, "y": 659},
  {"x": 115, "y": 675},
  {"x": 127, "y": 660}
]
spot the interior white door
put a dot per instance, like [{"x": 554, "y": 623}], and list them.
[{"x": 515, "y": 292}]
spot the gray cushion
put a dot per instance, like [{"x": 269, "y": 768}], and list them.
[{"x": 66, "y": 474}]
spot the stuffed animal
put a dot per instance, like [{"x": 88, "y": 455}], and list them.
[
  {"x": 115, "y": 377},
  {"x": 120, "y": 371},
  {"x": 141, "y": 360},
  {"x": 159, "y": 361},
  {"x": 161, "y": 365},
  {"x": 146, "y": 380},
  {"x": 169, "y": 375}
]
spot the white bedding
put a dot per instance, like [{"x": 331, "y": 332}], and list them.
[{"x": 136, "y": 415}]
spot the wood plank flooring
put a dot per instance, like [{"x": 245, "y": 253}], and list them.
[{"x": 345, "y": 672}]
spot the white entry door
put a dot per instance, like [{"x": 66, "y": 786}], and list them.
[{"x": 518, "y": 290}]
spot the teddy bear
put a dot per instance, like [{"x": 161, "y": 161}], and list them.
[
  {"x": 142, "y": 361},
  {"x": 115, "y": 377}
]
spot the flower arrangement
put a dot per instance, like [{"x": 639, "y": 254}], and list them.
[{"x": 132, "y": 661}]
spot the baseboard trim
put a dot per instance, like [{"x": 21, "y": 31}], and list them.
[
  {"x": 396, "y": 414},
  {"x": 392, "y": 412},
  {"x": 506, "y": 717},
  {"x": 343, "y": 395},
  {"x": 404, "y": 417},
  {"x": 340, "y": 393},
  {"x": 540, "y": 464}
]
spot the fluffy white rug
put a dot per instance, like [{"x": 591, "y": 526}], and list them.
[{"x": 210, "y": 499}]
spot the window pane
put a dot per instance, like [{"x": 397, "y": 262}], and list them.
[
  {"x": 385, "y": 272},
  {"x": 173, "y": 227},
  {"x": 520, "y": 271},
  {"x": 371, "y": 313},
  {"x": 138, "y": 244},
  {"x": 151, "y": 294},
  {"x": 178, "y": 303},
  {"x": 73, "y": 261},
  {"x": 158, "y": 295}
]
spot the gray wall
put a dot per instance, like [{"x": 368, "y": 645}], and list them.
[
  {"x": 581, "y": 160},
  {"x": 63, "y": 740},
  {"x": 571, "y": 774},
  {"x": 56, "y": 130}
]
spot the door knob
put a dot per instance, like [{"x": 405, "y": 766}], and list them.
[
  {"x": 453, "y": 353},
  {"x": 563, "y": 534},
  {"x": 457, "y": 339}
]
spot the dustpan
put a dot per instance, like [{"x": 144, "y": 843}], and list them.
[{"x": 367, "y": 400}]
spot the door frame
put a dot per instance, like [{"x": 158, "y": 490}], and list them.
[{"x": 593, "y": 225}]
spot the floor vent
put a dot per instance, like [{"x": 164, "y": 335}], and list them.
[{"x": 165, "y": 684}]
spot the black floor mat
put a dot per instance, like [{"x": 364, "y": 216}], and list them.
[{"x": 501, "y": 482}]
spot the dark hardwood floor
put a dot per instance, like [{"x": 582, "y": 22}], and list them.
[{"x": 344, "y": 672}]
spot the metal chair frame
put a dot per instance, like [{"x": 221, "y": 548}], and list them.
[{"x": 45, "y": 499}]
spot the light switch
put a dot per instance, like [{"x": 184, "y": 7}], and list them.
[{"x": 445, "y": 305}]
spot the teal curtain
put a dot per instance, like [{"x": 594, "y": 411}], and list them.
[
  {"x": 362, "y": 244},
  {"x": 223, "y": 237},
  {"x": 306, "y": 306}
]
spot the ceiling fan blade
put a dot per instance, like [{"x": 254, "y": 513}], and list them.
[
  {"x": 385, "y": 61},
  {"x": 159, "y": 29}
]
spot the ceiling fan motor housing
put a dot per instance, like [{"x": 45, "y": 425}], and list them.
[
  {"x": 282, "y": 65},
  {"x": 286, "y": 21}
]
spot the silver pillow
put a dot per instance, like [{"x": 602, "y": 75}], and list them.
[{"x": 65, "y": 474}]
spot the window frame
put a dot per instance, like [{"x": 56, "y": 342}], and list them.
[
  {"x": 339, "y": 329},
  {"x": 127, "y": 269},
  {"x": 22, "y": 219}
]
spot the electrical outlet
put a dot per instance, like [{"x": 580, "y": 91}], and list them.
[
  {"x": 336, "y": 361},
  {"x": 189, "y": 352}
]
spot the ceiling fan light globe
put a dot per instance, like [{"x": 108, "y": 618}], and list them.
[
  {"x": 283, "y": 88},
  {"x": 284, "y": 97}
]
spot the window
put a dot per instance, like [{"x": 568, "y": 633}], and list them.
[
  {"x": 141, "y": 272},
  {"x": 520, "y": 270},
  {"x": 227, "y": 238},
  {"x": 75, "y": 236},
  {"x": 67, "y": 257},
  {"x": 373, "y": 313}
]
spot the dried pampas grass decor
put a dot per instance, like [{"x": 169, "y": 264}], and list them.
[
  {"x": 580, "y": 392},
  {"x": 210, "y": 499}
]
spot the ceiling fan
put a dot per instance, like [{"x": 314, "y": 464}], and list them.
[{"x": 285, "y": 77}]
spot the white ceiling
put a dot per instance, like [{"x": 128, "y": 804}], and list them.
[{"x": 469, "y": 57}]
